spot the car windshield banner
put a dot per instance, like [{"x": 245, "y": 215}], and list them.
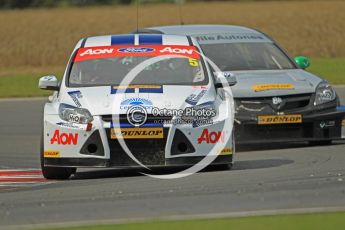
[{"x": 91, "y": 53}]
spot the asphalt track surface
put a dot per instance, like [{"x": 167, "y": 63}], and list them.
[{"x": 271, "y": 177}]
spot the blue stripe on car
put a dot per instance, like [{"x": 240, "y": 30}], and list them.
[
  {"x": 115, "y": 90},
  {"x": 341, "y": 108},
  {"x": 127, "y": 125},
  {"x": 151, "y": 90},
  {"x": 155, "y": 39},
  {"x": 122, "y": 40}
]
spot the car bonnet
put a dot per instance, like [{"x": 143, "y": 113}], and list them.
[
  {"x": 274, "y": 83},
  {"x": 105, "y": 100}
]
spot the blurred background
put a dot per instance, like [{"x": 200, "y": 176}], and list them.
[{"x": 37, "y": 36}]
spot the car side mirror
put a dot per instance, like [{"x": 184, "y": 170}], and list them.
[
  {"x": 302, "y": 62},
  {"x": 49, "y": 83},
  {"x": 230, "y": 79}
]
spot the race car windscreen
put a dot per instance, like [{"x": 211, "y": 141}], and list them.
[
  {"x": 100, "y": 66},
  {"x": 247, "y": 56}
]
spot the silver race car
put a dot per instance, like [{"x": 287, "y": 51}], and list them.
[
  {"x": 172, "y": 112},
  {"x": 276, "y": 99}
]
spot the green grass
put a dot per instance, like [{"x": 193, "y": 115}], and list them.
[
  {"x": 332, "y": 70},
  {"x": 20, "y": 86},
  {"x": 325, "y": 221},
  {"x": 23, "y": 82}
]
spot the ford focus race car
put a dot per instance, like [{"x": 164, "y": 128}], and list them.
[
  {"x": 171, "y": 112},
  {"x": 276, "y": 99}
]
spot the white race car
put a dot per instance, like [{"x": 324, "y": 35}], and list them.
[{"x": 172, "y": 113}]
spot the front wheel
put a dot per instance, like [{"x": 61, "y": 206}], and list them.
[{"x": 54, "y": 173}]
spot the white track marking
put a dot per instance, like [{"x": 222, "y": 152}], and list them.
[{"x": 11, "y": 179}]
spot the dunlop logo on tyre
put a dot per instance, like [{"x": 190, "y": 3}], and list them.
[
  {"x": 280, "y": 119},
  {"x": 136, "y": 133}
]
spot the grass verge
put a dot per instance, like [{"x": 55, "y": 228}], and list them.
[
  {"x": 321, "y": 221},
  {"x": 23, "y": 82},
  {"x": 332, "y": 70}
]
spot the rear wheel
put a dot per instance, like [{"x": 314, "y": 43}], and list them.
[{"x": 55, "y": 173}]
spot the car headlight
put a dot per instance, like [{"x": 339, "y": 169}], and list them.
[
  {"x": 324, "y": 93},
  {"x": 205, "y": 111},
  {"x": 73, "y": 114}
]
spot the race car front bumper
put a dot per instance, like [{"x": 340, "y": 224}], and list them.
[
  {"x": 71, "y": 145},
  {"x": 318, "y": 126},
  {"x": 110, "y": 163}
]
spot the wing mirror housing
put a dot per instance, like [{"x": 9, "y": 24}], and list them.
[
  {"x": 49, "y": 83},
  {"x": 302, "y": 62},
  {"x": 229, "y": 77}
]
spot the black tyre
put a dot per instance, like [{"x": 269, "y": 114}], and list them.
[{"x": 54, "y": 173}]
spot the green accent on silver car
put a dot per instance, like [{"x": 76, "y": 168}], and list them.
[{"x": 302, "y": 62}]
